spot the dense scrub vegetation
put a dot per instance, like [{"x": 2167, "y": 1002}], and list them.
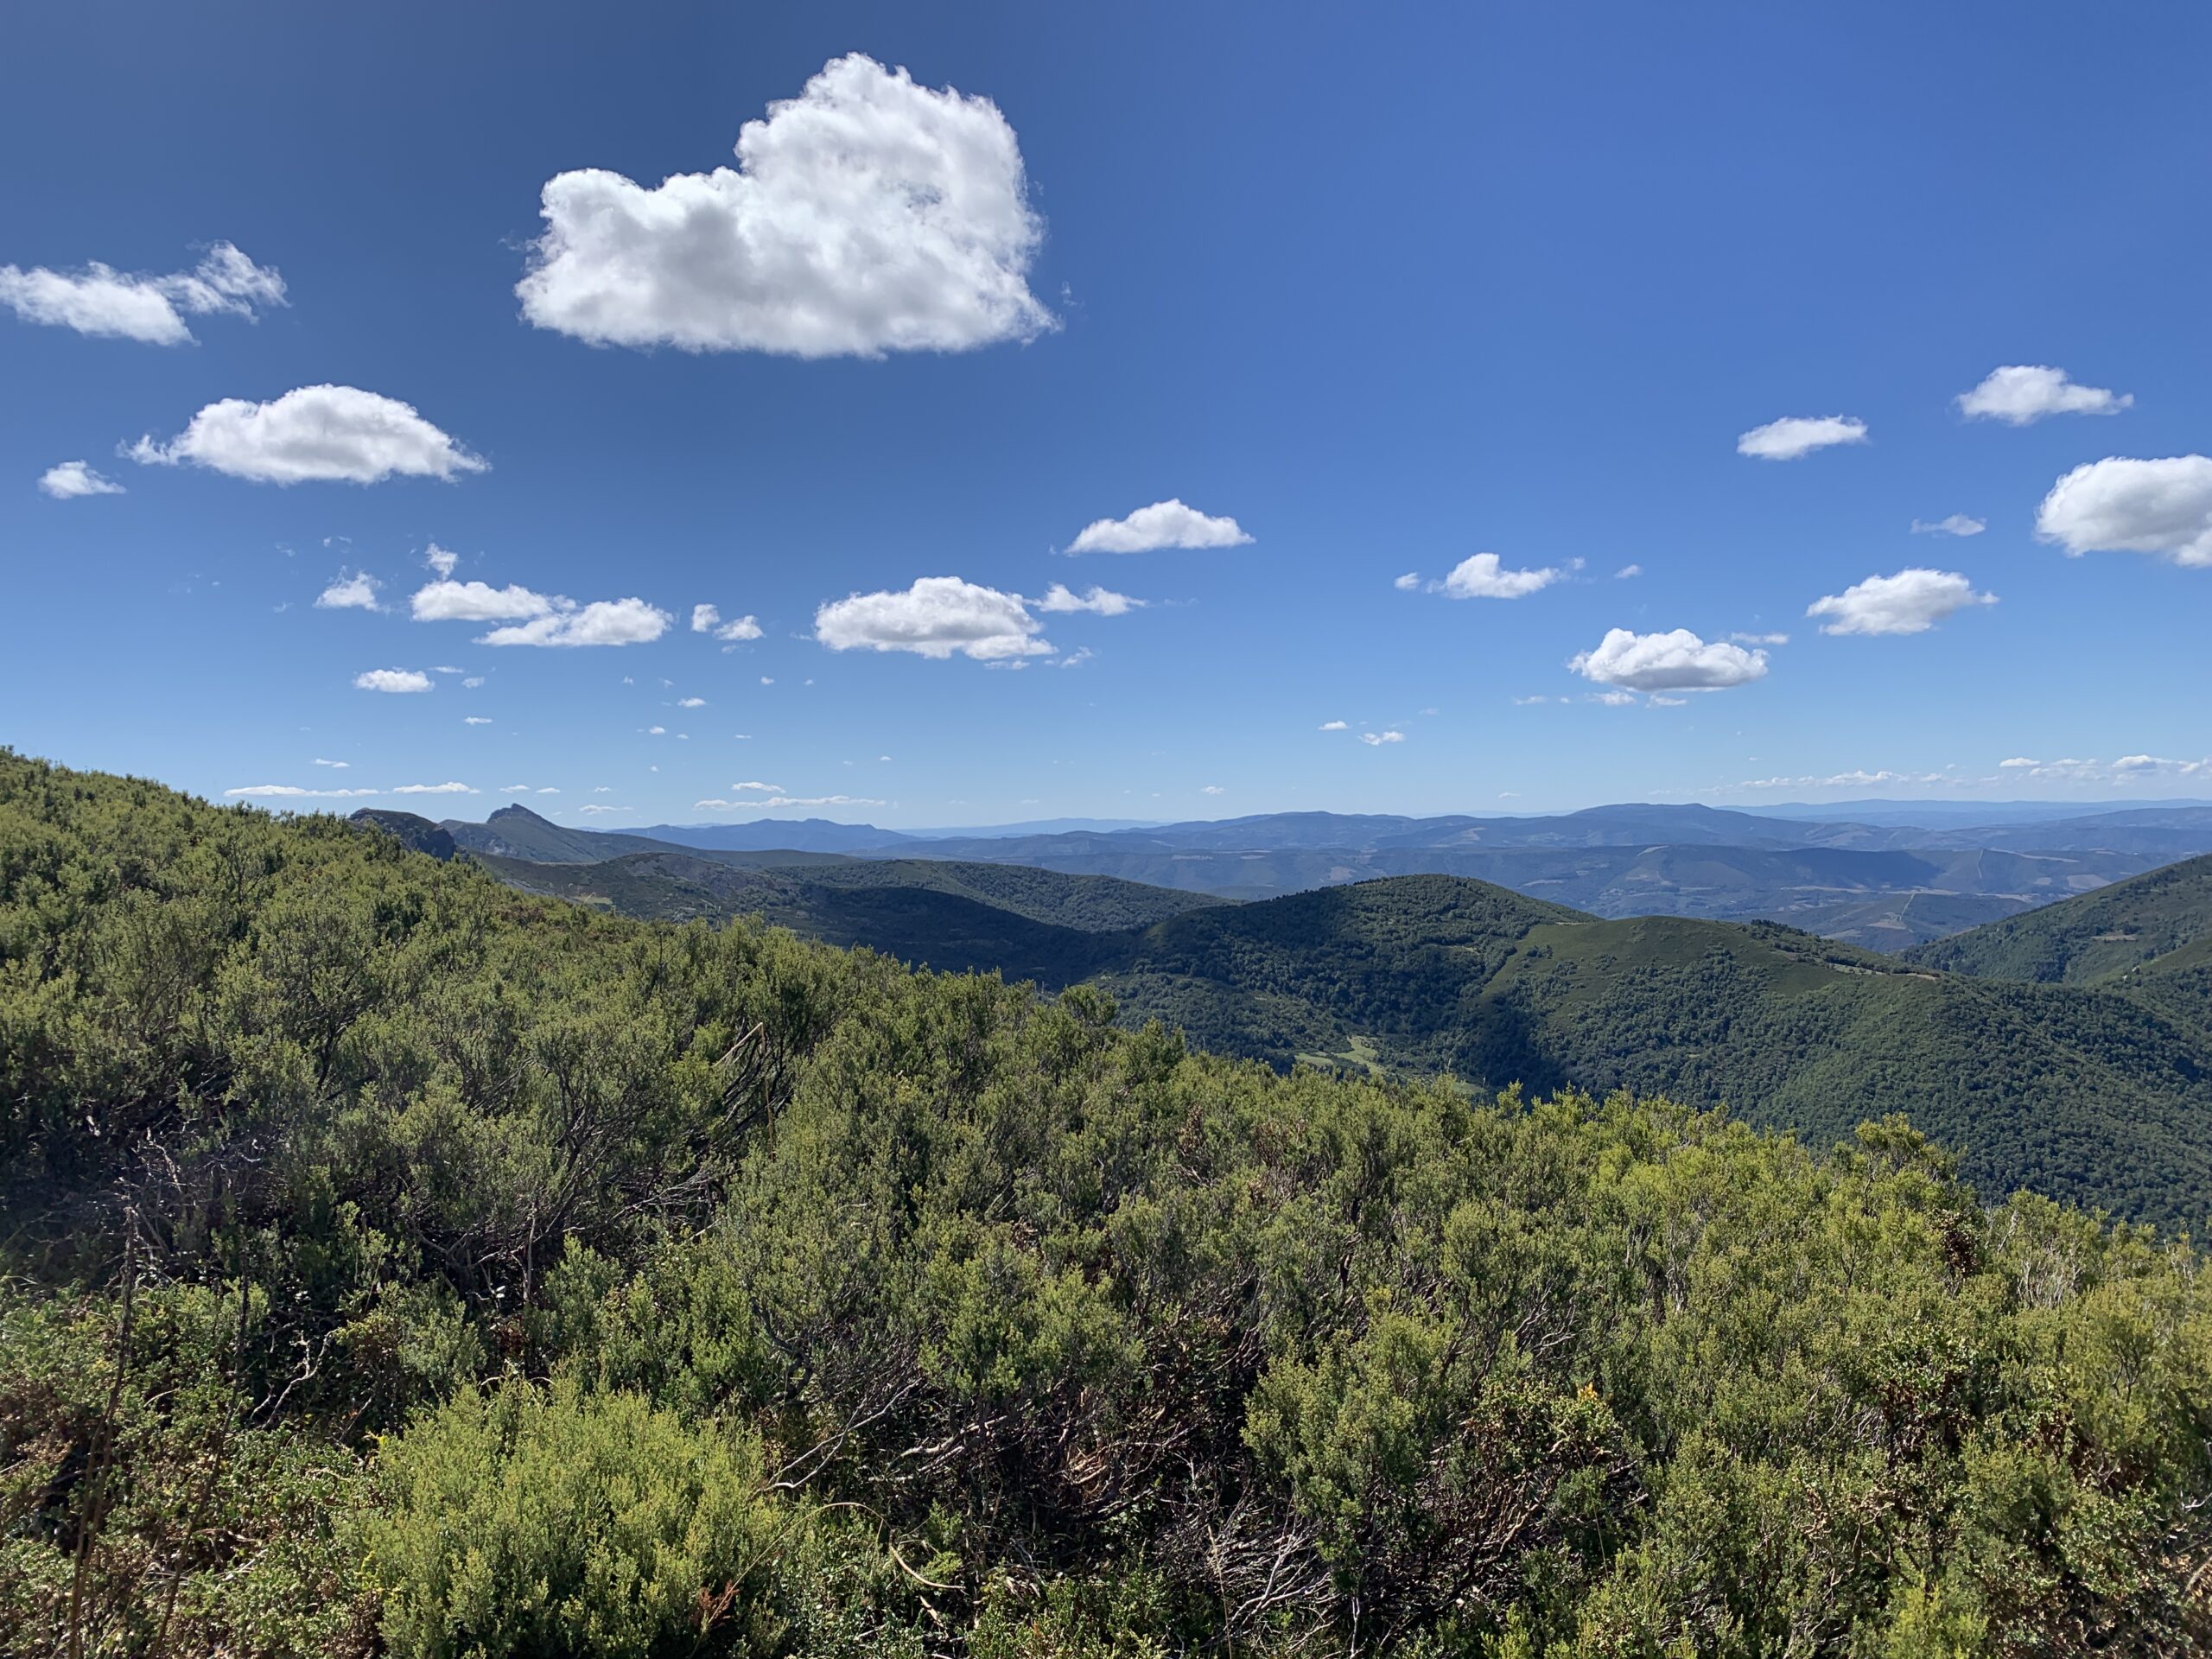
[{"x": 400, "y": 1263}]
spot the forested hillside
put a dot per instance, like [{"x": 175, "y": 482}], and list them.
[
  {"x": 2109, "y": 934},
  {"x": 2100, "y": 1098},
  {"x": 395, "y": 1263}
]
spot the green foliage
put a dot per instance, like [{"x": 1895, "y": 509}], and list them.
[{"x": 505, "y": 1278}]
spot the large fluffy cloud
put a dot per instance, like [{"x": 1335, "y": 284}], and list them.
[
  {"x": 1164, "y": 524},
  {"x": 102, "y": 301},
  {"x": 2133, "y": 506},
  {"x": 2021, "y": 392},
  {"x": 1912, "y": 601},
  {"x": 602, "y": 622},
  {"x": 392, "y": 679},
  {"x": 936, "y": 617},
  {"x": 536, "y": 618},
  {"x": 477, "y": 601},
  {"x": 1800, "y": 435},
  {"x": 339, "y": 433},
  {"x": 74, "y": 479},
  {"x": 356, "y": 592},
  {"x": 1678, "y": 661},
  {"x": 867, "y": 215},
  {"x": 1482, "y": 575}
]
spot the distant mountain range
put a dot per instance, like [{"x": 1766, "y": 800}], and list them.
[{"x": 1885, "y": 887}]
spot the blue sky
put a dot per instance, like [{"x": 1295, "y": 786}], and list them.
[{"x": 1389, "y": 287}]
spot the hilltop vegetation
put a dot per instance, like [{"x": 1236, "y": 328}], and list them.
[{"x": 397, "y": 1262}]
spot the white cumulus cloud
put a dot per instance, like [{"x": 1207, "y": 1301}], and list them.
[
  {"x": 1333, "y": 726},
  {"x": 1102, "y": 600},
  {"x": 867, "y": 215},
  {"x": 2021, "y": 392},
  {"x": 392, "y": 679},
  {"x": 1164, "y": 524},
  {"x": 603, "y": 622},
  {"x": 706, "y": 619},
  {"x": 1482, "y": 575},
  {"x": 690, "y": 702},
  {"x": 1376, "y": 740},
  {"x": 440, "y": 559},
  {"x": 2133, "y": 506},
  {"x": 1677, "y": 661},
  {"x": 538, "y": 619},
  {"x": 336, "y": 433},
  {"x": 1912, "y": 601},
  {"x": 433, "y": 789},
  {"x": 74, "y": 479},
  {"x": 478, "y": 602},
  {"x": 1800, "y": 435},
  {"x": 100, "y": 299},
  {"x": 357, "y": 592},
  {"x": 936, "y": 617}
]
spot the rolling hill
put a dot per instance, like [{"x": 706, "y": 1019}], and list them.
[
  {"x": 2101, "y": 1096},
  {"x": 2088, "y": 1093},
  {"x": 1026, "y": 924},
  {"x": 2144, "y": 926},
  {"x": 1887, "y": 887}
]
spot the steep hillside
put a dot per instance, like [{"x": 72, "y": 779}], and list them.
[
  {"x": 412, "y": 830},
  {"x": 2111, "y": 934}
]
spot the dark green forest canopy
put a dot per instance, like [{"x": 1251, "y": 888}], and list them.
[{"x": 397, "y": 1262}]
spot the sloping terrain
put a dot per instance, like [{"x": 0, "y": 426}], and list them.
[
  {"x": 1025, "y": 924},
  {"x": 2103, "y": 1098},
  {"x": 2117, "y": 932}
]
